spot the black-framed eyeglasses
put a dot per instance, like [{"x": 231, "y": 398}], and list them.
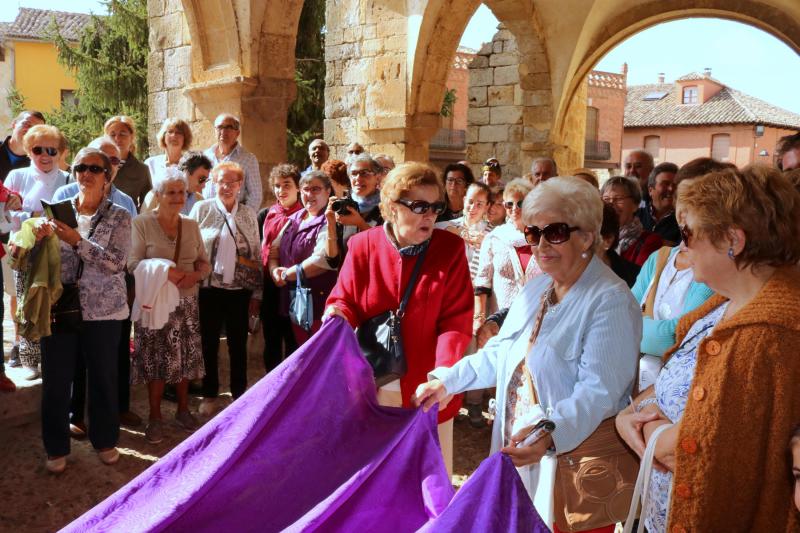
[
  {"x": 229, "y": 127},
  {"x": 455, "y": 181},
  {"x": 556, "y": 233},
  {"x": 420, "y": 207},
  {"x": 686, "y": 234},
  {"x": 116, "y": 161},
  {"x": 49, "y": 150},
  {"x": 94, "y": 169},
  {"x": 510, "y": 205}
]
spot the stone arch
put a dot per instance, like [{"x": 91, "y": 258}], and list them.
[
  {"x": 443, "y": 24},
  {"x": 618, "y": 22}
]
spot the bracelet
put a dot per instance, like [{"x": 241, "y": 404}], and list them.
[
  {"x": 644, "y": 403},
  {"x": 479, "y": 316}
]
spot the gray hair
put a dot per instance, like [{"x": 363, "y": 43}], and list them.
[
  {"x": 575, "y": 200},
  {"x": 364, "y": 157},
  {"x": 517, "y": 186},
  {"x": 631, "y": 186},
  {"x": 104, "y": 140},
  {"x": 172, "y": 175},
  {"x": 83, "y": 153},
  {"x": 672, "y": 168},
  {"x": 223, "y": 116},
  {"x": 550, "y": 159},
  {"x": 647, "y": 155},
  {"x": 315, "y": 175}
]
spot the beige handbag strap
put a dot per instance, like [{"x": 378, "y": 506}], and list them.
[
  {"x": 661, "y": 263},
  {"x": 537, "y": 326}
]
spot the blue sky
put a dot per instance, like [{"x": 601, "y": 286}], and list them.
[{"x": 739, "y": 55}]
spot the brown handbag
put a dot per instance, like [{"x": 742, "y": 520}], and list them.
[{"x": 595, "y": 481}]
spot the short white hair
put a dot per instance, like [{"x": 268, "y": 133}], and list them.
[
  {"x": 171, "y": 176},
  {"x": 517, "y": 186},
  {"x": 575, "y": 200}
]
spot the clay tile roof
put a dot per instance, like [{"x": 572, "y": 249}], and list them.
[
  {"x": 728, "y": 106},
  {"x": 32, "y": 23}
]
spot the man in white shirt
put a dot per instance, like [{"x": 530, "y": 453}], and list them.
[{"x": 228, "y": 148}]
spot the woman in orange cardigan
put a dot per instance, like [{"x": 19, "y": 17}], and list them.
[
  {"x": 437, "y": 325},
  {"x": 731, "y": 385}
]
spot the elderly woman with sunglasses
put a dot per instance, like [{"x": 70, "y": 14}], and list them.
[
  {"x": 376, "y": 272},
  {"x": 729, "y": 387},
  {"x": 572, "y": 335},
  {"x": 301, "y": 246},
  {"x": 506, "y": 262},
  {"x": 94, "y": 253},
  {"x": 45, "y": 146}
]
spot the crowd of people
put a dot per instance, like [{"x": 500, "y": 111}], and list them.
[{"x": 660, "y": 304}]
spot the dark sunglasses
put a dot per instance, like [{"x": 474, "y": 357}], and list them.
[
  {"x": 115, "y": 161},
  {"x": 420, "y": 207},
  {"x": 510, "y": 205},
  {"x": 553, "y": 233},
  {"x": 37, "y": 150},
  {"x": 94, "y": 169},
  {"x": 686, "y": 234}
]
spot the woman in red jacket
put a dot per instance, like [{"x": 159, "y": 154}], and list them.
[{"x": 437, "y": 325}]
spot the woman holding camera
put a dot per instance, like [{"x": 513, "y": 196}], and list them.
[
  {"x": 301, "y": 246},
  {"x": 94, "y": 255},
  {"x": 378, "y": 268}
]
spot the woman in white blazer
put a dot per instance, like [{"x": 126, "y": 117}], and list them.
[{"x": 583, "y": 360}]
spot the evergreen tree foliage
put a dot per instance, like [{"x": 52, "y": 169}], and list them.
[
  {"x": 110, "y": 65},
  {"x": 306, "y": 114}
]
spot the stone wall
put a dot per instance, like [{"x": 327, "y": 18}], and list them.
[{"x": 510, "y": 106}]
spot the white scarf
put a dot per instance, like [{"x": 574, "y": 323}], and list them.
[{"x": 225, "y": 260}]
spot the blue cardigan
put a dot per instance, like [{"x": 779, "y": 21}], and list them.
[{"x": 659, "y": 335}]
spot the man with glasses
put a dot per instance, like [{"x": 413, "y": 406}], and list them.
[
  {"x": 227, "y": 148},
  {"x": 387, "y": 164},
  {"x": 318, "y": 153}
]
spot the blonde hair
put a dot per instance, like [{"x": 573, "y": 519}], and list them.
[
  {"x": 41, "y": 132},
  {"x": 125, "y": 121},
  {"x": 517, "y": 186},
  {"x": 220, "y": 168},
  {"x": 574, "y": 199},
  {"x": 759, "y": 200},
  {"x": 182, "y": 127},
  {"x": 401, "y": 179}
]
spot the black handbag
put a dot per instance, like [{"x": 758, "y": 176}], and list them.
[
  {"x": 380, "y": 337},
  {"x": 65, "y": 314}
]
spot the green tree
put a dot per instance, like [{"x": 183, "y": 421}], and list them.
[
  {"x": 110, "y": 65},
  {"x": 306, "y": 114}
]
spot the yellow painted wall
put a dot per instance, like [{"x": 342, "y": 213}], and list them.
[{"x": 39, "y": 77}]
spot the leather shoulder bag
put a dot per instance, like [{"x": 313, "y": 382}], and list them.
[
  {"x": 66, "y": 315},
  {"x": 594, "y": 482},
  {"x": 380, "y": 337},
  {"x": 248, "y": 273}
]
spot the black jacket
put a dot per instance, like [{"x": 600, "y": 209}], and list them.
[{"x": 5, "y": 161}]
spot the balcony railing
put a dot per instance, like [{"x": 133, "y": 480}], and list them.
[
  {"x": 447, "y": 139},
  {"x": 597, "y": 150}
]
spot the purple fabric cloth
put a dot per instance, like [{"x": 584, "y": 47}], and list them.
[
  {"x": 307, "y": 448},
  {"x": 492, "y": 500}
]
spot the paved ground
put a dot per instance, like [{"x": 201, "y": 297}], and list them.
[{"x": 31, "y": 500}]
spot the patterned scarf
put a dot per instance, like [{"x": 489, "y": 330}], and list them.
[
  {"x": 629, "y": 234},
  {"x": 368, "y": 203},
  {"x": 414, "y": 249}
]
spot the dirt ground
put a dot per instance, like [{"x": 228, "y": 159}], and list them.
[{"x": 32, "y": 500}]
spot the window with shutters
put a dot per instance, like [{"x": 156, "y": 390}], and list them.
[
  {"x": 652, "y": 143},
  {"x": 592, "y": 121},
  {"x": 690, "y": 95},
  {"x": 720, "y": 146}
]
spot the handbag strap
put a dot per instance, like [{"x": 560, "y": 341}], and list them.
[
  {"x": 225, "y": 220},
  {"x": 300, "y": 275},
  {"x": 661, "y": 263},
  {"x": 537, "y": 326},
  {"x": 411, "y": 282},
  {"x": 642, "y": 488},
  {"x": 178, "y": 243},
  {"x": 88, "y": 237}
]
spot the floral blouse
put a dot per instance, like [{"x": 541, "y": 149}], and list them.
[{"x": 672, "y": 392}]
